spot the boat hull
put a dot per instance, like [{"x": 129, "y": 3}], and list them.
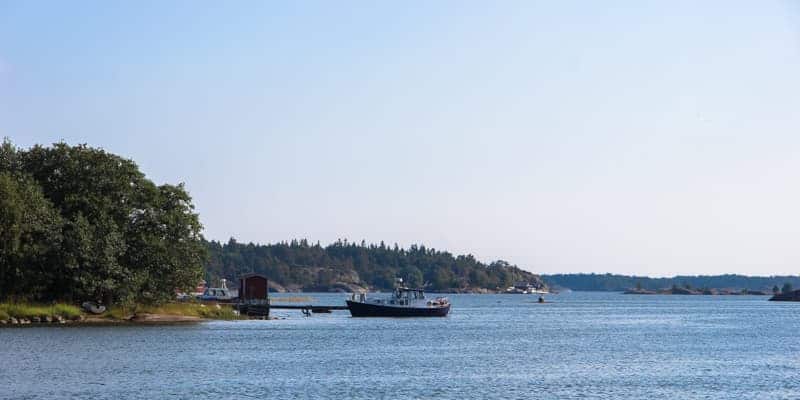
[{"x": 358, "y": 309}]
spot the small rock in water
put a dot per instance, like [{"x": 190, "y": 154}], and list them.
[
  {"x": 47, "y": 318},
  {"x": 35, "y": 319},
  {"x": 14, "y": 321},
  {"x": 58, "y": 319},
  {"x": 2, "y": 322},
  {"x": 24, "y": 321}
]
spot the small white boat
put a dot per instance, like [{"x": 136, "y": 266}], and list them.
[
  {"x": 219, "y": 293},
  {"x": 93, "y": 308}
]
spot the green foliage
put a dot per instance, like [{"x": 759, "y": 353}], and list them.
[
  {"x": 77, "y": 223},
  {"x": 314, "y": 267},
  {"x": 787, "y": 287},
  {"x": 29, "y": 236}
]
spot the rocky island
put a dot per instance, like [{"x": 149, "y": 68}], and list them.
[
  {"x": 793, "y": 295},
  {"x": 704, "y": 291}
]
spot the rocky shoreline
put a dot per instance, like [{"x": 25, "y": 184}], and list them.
[
  {"x": 91, "y": 320},
  {"x": 349, "y": 287},
  {"x": 789, "y": 296}
]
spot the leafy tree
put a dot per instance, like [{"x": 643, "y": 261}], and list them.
[
  {"x": 112, "y": 234},
  {"x": 787, "y": 287},
  {"x": 412, "y": 276},
  {"x": 30, "y": 234}
]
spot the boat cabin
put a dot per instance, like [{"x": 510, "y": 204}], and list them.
[
  {"x": 408, "y": 293},
  {"x": 404, "y": 296}
]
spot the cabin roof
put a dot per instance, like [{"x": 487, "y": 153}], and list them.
[{"x": 252, "y": 275}]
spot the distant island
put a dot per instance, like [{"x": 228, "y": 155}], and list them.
[
  {"x": 700, "y": 284},
  {"x": 345, "y": 266},
  {"x": 704, "y": 291}
]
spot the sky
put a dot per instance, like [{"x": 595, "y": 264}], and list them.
[{"x": 637, "y": 137}]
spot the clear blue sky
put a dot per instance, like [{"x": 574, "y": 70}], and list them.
[{"x": 634, "y": 137}]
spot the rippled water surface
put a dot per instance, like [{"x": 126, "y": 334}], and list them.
[{"x": 581, "y": 345}]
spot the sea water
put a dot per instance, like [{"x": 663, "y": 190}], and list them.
[{"x": 577, "y": 345}]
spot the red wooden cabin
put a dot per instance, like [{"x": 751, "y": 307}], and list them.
[{"x": 253, "y": 289}]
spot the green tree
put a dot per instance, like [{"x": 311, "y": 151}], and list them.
[
  {"x": 442, "y": 279},
  {"x": 165, "y": 243},
  {"x": 787, "y": 287},
  {"x": 113, "y": 235},
  {"x": 479, "y": 278},
  {"x": 30, "y": 234},
  {"x": 412, "y": 276}
]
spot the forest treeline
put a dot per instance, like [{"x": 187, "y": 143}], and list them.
[
  {"x": 612, "y": 282},
  {"x": 301, "y": 265},
  {"x": 78, "y": 223}
]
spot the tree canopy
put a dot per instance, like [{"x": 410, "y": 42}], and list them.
[{"x": 78, "y": 223}]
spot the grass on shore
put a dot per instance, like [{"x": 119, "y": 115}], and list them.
[
  {"x": 67, "y": 311},
  {"x": 22, "y": 310},
  {"x": 209, "y": 311}
]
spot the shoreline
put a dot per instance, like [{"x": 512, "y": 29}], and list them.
[
  {"x": 24, "y": 314},
  {"x": 98, "y": 320}
]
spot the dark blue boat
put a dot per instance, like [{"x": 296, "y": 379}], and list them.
[{"x": 404, "y": 302}]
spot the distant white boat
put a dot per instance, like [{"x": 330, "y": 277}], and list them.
[
  {"x": 525, "y": 288},
  {"x": 538, "y": 291}
]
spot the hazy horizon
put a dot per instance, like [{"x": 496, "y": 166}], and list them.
[{"x": 635, "y": 138}]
